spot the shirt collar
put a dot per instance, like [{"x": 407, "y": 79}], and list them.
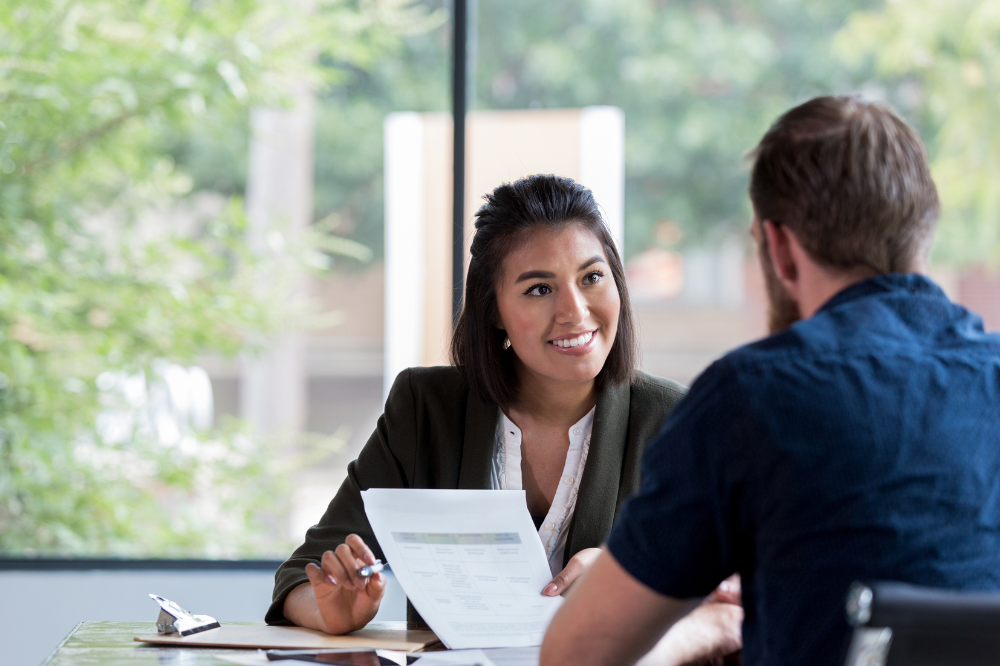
[
  {"x": 914, "y": 283},
  {"x": 577, "y": 432}
]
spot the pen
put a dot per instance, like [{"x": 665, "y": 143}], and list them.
[{"x": 370, "y": 570}]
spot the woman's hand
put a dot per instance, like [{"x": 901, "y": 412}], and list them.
[
  {"x": 707, "y": 635},
  {"x": 576, "y": 566},
  {"x": 343, "y": 600}
]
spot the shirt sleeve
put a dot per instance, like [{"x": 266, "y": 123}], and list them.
[
  {"x": 386, "y": 461},
  {"x": 680, "y": 534}
]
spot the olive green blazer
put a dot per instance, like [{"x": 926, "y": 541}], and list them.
[{"x": 436, "y": 433}]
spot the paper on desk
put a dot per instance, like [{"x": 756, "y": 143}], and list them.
[
  {"x": 454, "y": 658},
  {"x": 470, "y": 561},
  {"x": 514, "y": 656},
  {"x": 246, "y": 658}
]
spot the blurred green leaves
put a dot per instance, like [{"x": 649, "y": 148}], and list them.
[
  {"x": 107, "y": 266},
  {"x": 116, "y": 116},
  {"x": 699, "y": 83},
  {"x": 943, "y": 60}
]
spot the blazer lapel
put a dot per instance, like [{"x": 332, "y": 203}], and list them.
[
  {"x": 477, "y": 447},
  {"x": 596, "y": 503}
]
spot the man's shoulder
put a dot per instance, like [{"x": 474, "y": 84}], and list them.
[
  {"x": 870, "y": 329},
  {"x": 770, "y": 348},
  {"x": 818, "y": 336}
]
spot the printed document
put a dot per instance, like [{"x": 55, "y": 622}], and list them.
[{"x": 470, "y": 562}]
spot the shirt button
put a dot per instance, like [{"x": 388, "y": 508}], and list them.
[
  {"x": 568, "y": 480},
  {"x": 577, "y": 431},
  {"x": 550, "y": 526}
]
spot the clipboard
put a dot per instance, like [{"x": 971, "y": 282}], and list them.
[{"x": 378, "y": 635}]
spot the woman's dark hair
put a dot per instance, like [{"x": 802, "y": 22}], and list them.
[{"x": 502, "y": 224}]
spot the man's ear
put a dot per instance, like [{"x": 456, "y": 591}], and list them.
[{"x": 779, "y": 247}]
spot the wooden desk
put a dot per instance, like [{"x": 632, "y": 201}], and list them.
[{"x": 112, "y": 644}]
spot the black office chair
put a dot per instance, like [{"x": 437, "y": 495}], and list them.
[{"x": 896, "y": 624}]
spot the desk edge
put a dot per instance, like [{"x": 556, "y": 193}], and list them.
[{"x": 52, "y": 655}]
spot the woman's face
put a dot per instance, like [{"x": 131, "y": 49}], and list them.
[{"x": 559, "y": 303}]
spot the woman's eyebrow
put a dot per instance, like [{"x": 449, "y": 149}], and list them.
[{"x": 530, "y": 275}]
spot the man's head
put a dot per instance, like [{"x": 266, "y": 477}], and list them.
[{"x": 846, "y": 182}]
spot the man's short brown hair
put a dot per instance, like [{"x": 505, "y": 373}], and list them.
[{"x": 850, "y": 179}]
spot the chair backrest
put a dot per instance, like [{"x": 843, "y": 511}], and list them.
[{"x": 896, "y": 624}]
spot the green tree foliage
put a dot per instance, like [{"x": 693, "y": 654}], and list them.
[
  {"x": 941, "y": 63},
  {"x": 699, "y": 83},
  {"x": 95, "y": 297}
]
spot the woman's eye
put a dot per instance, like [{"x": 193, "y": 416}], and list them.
[
  {"x": 538, "y": 290},
  {"x": 593, "y": 277}
]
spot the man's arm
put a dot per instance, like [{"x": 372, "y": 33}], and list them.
[{"x": 609, "y": 618}]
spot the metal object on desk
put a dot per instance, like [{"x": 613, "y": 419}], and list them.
[{"x": 175, "y": 620}]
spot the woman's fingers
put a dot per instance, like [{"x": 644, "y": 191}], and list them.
[
  {"x": 564, "y": 579},
  {"x": 335, "y": 569},
  {"x": 360, "y": 548},
  {"x": 376, "y": 586},
  {"x": 351, "y": 564},
  {"x": 576, "y": 566},
  {"x": 319, "y": 579},
  {"x": 344, "y": 600}
]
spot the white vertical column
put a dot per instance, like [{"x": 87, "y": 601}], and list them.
[
  {"x": 404, "y": 245},
  {"x": 732, "y": 277},
  {"x": 602, "y": 162},
  {"x": 273, "y": 387}
]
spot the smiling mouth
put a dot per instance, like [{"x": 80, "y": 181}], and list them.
[{"x": 569, "y": 343}]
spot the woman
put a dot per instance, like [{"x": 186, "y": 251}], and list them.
[{"x": 543, "y": 396}]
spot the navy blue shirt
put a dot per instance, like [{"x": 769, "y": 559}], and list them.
[{"x": 862, "y": 443}]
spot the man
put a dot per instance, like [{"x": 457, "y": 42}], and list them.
[{"x": 860, "y": 441}]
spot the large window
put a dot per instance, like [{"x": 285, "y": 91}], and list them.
[{"x": 193, "y": 201}]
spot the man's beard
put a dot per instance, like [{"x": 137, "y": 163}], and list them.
[{"x": 782, "y": 311}]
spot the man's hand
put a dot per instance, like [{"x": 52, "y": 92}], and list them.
[
  {"x": 729, "y": 591},
  {"x": 609, "y": 617},
  {"x": 709, "y": 633},
  {"x": 576, "y": 566},
  {"x": 337, "y": 599}
]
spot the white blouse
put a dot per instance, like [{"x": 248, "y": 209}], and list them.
[{"x": 506, "y": 475}]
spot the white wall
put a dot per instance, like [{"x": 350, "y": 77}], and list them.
[
  {"x": 404, "y": 245},
  {"x": 586, "y": 144},
  {"x": 602, "y": 163},
  {"x": 38, "y": 608}
]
